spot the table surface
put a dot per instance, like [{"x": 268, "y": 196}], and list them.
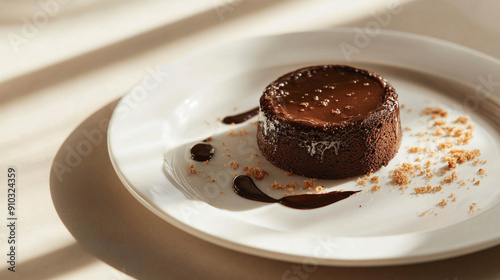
[{"x": 65, "y": 65}]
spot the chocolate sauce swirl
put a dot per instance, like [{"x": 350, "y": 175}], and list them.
[
  {"x": 245, "y": 187},
  {"x": 236, "y": 119}
]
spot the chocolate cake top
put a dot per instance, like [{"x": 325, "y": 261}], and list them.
[{"x": 327, "y": 94}]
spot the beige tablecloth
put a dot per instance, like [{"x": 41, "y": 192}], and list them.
[{"x": 65, "y": 64}]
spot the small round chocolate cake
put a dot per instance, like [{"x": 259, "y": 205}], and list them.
[{"x": 329, "y": 122}]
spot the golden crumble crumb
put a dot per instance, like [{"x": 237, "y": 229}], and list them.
[
  {"x": 429, "y": 176},
  {"x": 435, "y": 112},
  {"x": 438, "y": 132},
  {"x": 424, "y": 213},
  {"x": 213, "y": 180},
  {"x": 462, "y": 119},
  {"x": 477, "y": 183},
  {"x": 414, "y": 149},
  {"x": 407, "y": 128},
  {"x": 289, "y": 187},
  {"x": 427, "y": 189},
  {"x": 439, "y": 122},
  {"x": 234, "y": 165},
  {"x": 461, "y": 182},
  {"x": 481, "y": 171},
  {"x": 428, "y": 164},
  {"x": 208, "y": 139},
  {"x": 443, "y": 203},
  {"x": 402, "y": 106},
  {"x": 376, "y": 188},
  {"x": 256, "y": 172},
  {"x": 227, "y": 149},
  {"x": 472, "y": 207},
  {"x": 192, "y": 170},
  {"x": 288, "y": 173},
  {"x": 223, "y": 143},
  {"x": 319, "y": 189},
  {"x": 445, "y": 145},
  {"x": 258, "y": 162},
  {"x": 374, "y": 179},
  {"x": 361, "y": 182},
  {"x": 225, "y": 166},
  {"x": 451, "y": 178},
  {"x": 401, "y": 175},
  {"x": 460, "y": 156},
  {"x": 310, "y": 184},
  {"x": 228, "y": 155},
  {"x": 206, "y": 162},
  {"x": 254, "y": 155}
]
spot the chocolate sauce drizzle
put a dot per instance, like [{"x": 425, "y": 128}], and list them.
[
  {"x": 245, "y": 187},
  {"x": 236, "y": 119},
  {"x": 202, "y": 152}
]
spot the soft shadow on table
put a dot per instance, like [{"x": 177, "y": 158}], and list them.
[{"x": 111, "y": 224}]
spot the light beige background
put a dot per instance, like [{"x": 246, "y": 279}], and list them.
[{"x": 65, "y": 79}]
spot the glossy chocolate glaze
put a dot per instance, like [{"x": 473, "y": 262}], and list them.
[
  {"x": 236, "y": 119},
  {"x": 202, "y": 152},
  {"x": 245, "y": 187},
  {"x": 329, "y": 94}
]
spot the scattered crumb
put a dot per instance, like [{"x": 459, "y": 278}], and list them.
[
  {"x": 319, "y": 189},
  {"x": 407, "y": 128},
  {"x": 414, "y": 149},
  {"x": 424, "y": 213},
  {"x": 239, "y": 132},
  {"x": 445, "y": 145},
  {"x": 288, "y": 187},
  {"x": 439, "y": 122},
  {"x": 427, "y": 189},
  {"x": 234, "y": 165},
  {"x": 402, "y": 106},
  {"x": 255, "y": 122},
  {"x": 288, "y": 173},
  {"x": 460, "y": 156},
  {"x": 453, "y": 197},
  {"x": 376, "y": 188},
  {"x": 309, "y": 184},
  {"x": 213, "y": 180},
  {"x": 451, "y": 178},
  {"x": 361, "y": 182},
  {"x": 256, "y": 172},
  {"x": 481, "y": 171},
  {"x": 461, "y": 182},
  {"x": 477, "y": 183},
  {"x": 472, "y": 207},
  {"x": 443, "y": 203},
  {"x": 228, "y": 155},
  {"x": 435, "y": 112},
  {"x": 223, "y": 143},
  {"x": 401, "y": 175},
  {"x": 206, "y": 162},
  {"x": 208, "y": 139},
  {"x": 374, "y": 179},
  {"x": 254, "y": 155},
  {"x": 192, "y": 170},
  {"x": 462, "y": 119}
]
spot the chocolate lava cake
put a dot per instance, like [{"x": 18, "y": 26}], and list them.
[{"x": 329, "y": 121}]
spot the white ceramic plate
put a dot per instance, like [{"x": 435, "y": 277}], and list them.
[{"x": 154, "y": 125}]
